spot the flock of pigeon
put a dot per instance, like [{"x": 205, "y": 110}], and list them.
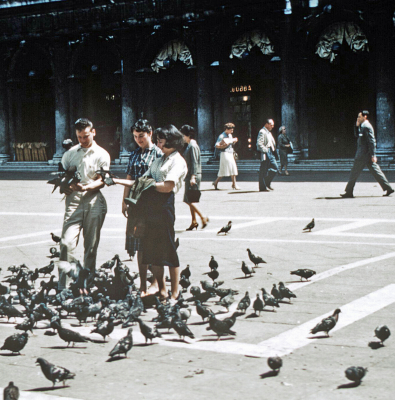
[{"x": 109, "y": 297}]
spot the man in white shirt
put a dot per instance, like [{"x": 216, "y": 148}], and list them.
[
  {"x": 267, "y": 146},
  {"x": 86, "y": 207}
]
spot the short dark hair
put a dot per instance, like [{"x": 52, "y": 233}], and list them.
[
  {"x": 280, "y": 129},
  {"x": 188, "y": 130},
  {"x": 365, "y": 113},
  {"x": 172, "y": 136},
  {"x": 229, "y": 125},
  {"x": 83, "y": 123},
  {"x": 141, "y": 125}
]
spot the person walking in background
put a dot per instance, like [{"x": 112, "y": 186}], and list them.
[
  {"x": 139, "y": 161},
  {"x": 194, "y": 175},
  {"x": 266, "y": 145},
  {"x": 365, "y": 156},
  {"x": 284, "y": 146},
  {"x": 227, "y": 163},
  {"x": 86, "y": 207}
]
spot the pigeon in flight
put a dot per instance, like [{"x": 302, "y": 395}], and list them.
[
  {"x": 327, "y": 324},
  {"x": 303, "y": 273},
  {"x": 225, "y": 229},
  {"x": 275, "y": 363},
  {"x": 382, "y": 333},
  {"x": 256, "y": 260},
  {"x": 309, "y": 226},
  {"x": 54, "y": 373},
  {"x": 355, "y": 374},
  {"x": 11, "y": 392}
]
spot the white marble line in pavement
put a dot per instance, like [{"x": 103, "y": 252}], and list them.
[
  {"x": 282, "y": 344},
  {"x": 23, "y": 395},
  {"x": 27, "y": 235},
  {"x": 257, "y": 221}
]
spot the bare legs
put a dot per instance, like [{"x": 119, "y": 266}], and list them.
[
  {"x": 194, "y": 210},
  {"x": 233, "y": 177},
  {"x": 143, "y": 268},
  {"x": 159, "y": 274}
]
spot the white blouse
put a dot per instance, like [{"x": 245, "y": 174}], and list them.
[{"x": 172, "y": 168}]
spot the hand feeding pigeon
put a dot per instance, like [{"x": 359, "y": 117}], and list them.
[
  {"x": 54, "y": 373},
  {"x": 382, "y": 333},
  {"x": 256, "y": 260},
  {"x": 124, "y": 345},
  {"x": 225, "y": 229},
  {"x": 11, "y": 392},
  {"x": 355, "y": 374},
  {"x": 327, "y": 324},
  {"x": 309, "y": 226},
  {"x": 303, "y": 273},
  {"x": 285, "y": 292},
  {"x": 275, "y": 363}
]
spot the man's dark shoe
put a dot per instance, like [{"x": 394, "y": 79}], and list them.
[
  {"x": 347, "y": 195},
  {"x": 264, "y": 190},
  {"x": 269, "y": 187},
  {"x": 389, "y": 192}
]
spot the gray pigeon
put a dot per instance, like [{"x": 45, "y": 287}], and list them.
[
  {"x": 221, "y": 328},
  {"x": 226, "y": 302},
  {"x": 355, "y": 374},
  {"x": 258, "y": 304},
  {"x": 124, "y": 345},
  {"x": 181, "y": 328},
  {"x": 382, "y": 333},
  {"x": 225, "y": 229},
  {"x": 309, "y": 226},
  {"x": 275, "y": 292},
  {"x": 275, "y": 363},
  {"x": 269, "y": 300},
  {"x": 11, "y": 392},
  {"x": 148, "y": 332},
  {"x": 244, "y": 303},
  {"x": 16, "y": 342},
  {"x": 54, "y": 373},
  {"x": 246, "y": 269},
  {"x": 285, "y": 292},
  {"x": 327, "y": 324},
  {"x": 303, "y": 273},
  {"x": 255, "y": 259}
]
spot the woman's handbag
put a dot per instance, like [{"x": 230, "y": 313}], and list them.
[
  {"x": 235, "y": 155},
  {"x": 193, "y": 194},
  {"x": 290, "y": 149}
]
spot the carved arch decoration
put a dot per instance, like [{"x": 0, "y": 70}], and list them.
[
  {"x": 250, "y": 39},
  {"x": 339, "y": 32},
  {"x": 173, "y": 50}
]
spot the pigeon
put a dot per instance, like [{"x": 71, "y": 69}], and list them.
[
  {"x": 181, "y": 328},
  {"x": 258, "y": 304},
  {"x": 224, "y": 292},
  {"x": 256, "y": 260},
  {"x": 213, "y": 264},
  {"x": 186, "y": 273},
  {"x": 185, "y": 283},
  {"x": 15, "y": 343},
  {"x": 10, "y": 311},
  {"x": 246, "y": 269},
  {"x": 226, "y": 302},
  {"x": 309, "y": 226},
  {"x": 303, "y": 273},
  {"x": 269, "y": 300},
  {"x": 275, "y": 292},
  {"x": 225, "y": 229},
  {"x": 11, "y": 392},
  {"x": 230, "y": 321},
  {"x": 213, "y": 274},
  {"x": 124, "y": 345},
  {"x": 54, "y": 253},
  {"x": 69, "y": 335},
  {"x": 27, "y": 324},
  {"x": 148, "y": 332},
  {"x": 55, "y": 238},
  {"x": 275, "y": 363},
  {"x": 204, "y": 312},
  {"x": 110, "y": 263},
  {"x": 67, "y": 144},
  {"x": 327, "y": 323},
  {"x": 244, "y": 303},
  {"x": 221, "y": 328},
  {"x": 104, "y": 328},
  {"x": 54, "y": 373},
  {"x": 382, "y": 333},
  {"x": 355, "y": 374},
  {"x": 47, "y": 269},
  {"x": 285, "y": 292},
  {"x": 4, "y": 289}
]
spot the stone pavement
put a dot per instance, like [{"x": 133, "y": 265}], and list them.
[{"x": 351, "y": 249}]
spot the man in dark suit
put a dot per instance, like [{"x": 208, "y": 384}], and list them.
[{"x": 366, "y": 156}]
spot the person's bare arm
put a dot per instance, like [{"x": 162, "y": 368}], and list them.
[{"x": 165, "y": 187}]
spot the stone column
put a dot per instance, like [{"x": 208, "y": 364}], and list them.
[
  {"x": 205, "y": 118},
  {"x": 12, "y": 89},
  {"x": 288, "y": 84},
  {"x": 4, "y": 137},
  {"x": 384, "y": 70},
  {"x": 60, "y": 87}
]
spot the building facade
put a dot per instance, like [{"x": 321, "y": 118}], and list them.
[{"x": 309, "y": 65}]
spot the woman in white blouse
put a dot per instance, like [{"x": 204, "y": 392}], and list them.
[{"x": 158, "y": 245}]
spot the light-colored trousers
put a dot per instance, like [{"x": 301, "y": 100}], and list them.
[{"x": 85, "y": 211}]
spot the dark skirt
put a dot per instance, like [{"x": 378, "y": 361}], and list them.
[
  {"x": 158, "y": 245},
  {"x": 188, "y": 186}
]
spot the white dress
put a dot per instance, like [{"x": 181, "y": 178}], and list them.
[{"x": 227, "y": 164}]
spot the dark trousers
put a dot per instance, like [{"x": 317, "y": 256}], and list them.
[
  {"x": 267, "y": 171},
  {"x": 375, "y": 170}
]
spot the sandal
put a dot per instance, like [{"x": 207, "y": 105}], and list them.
[{"x": 205, "y": 221}]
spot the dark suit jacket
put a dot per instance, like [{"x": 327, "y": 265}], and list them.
[{"x": 366, "y": 141}]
